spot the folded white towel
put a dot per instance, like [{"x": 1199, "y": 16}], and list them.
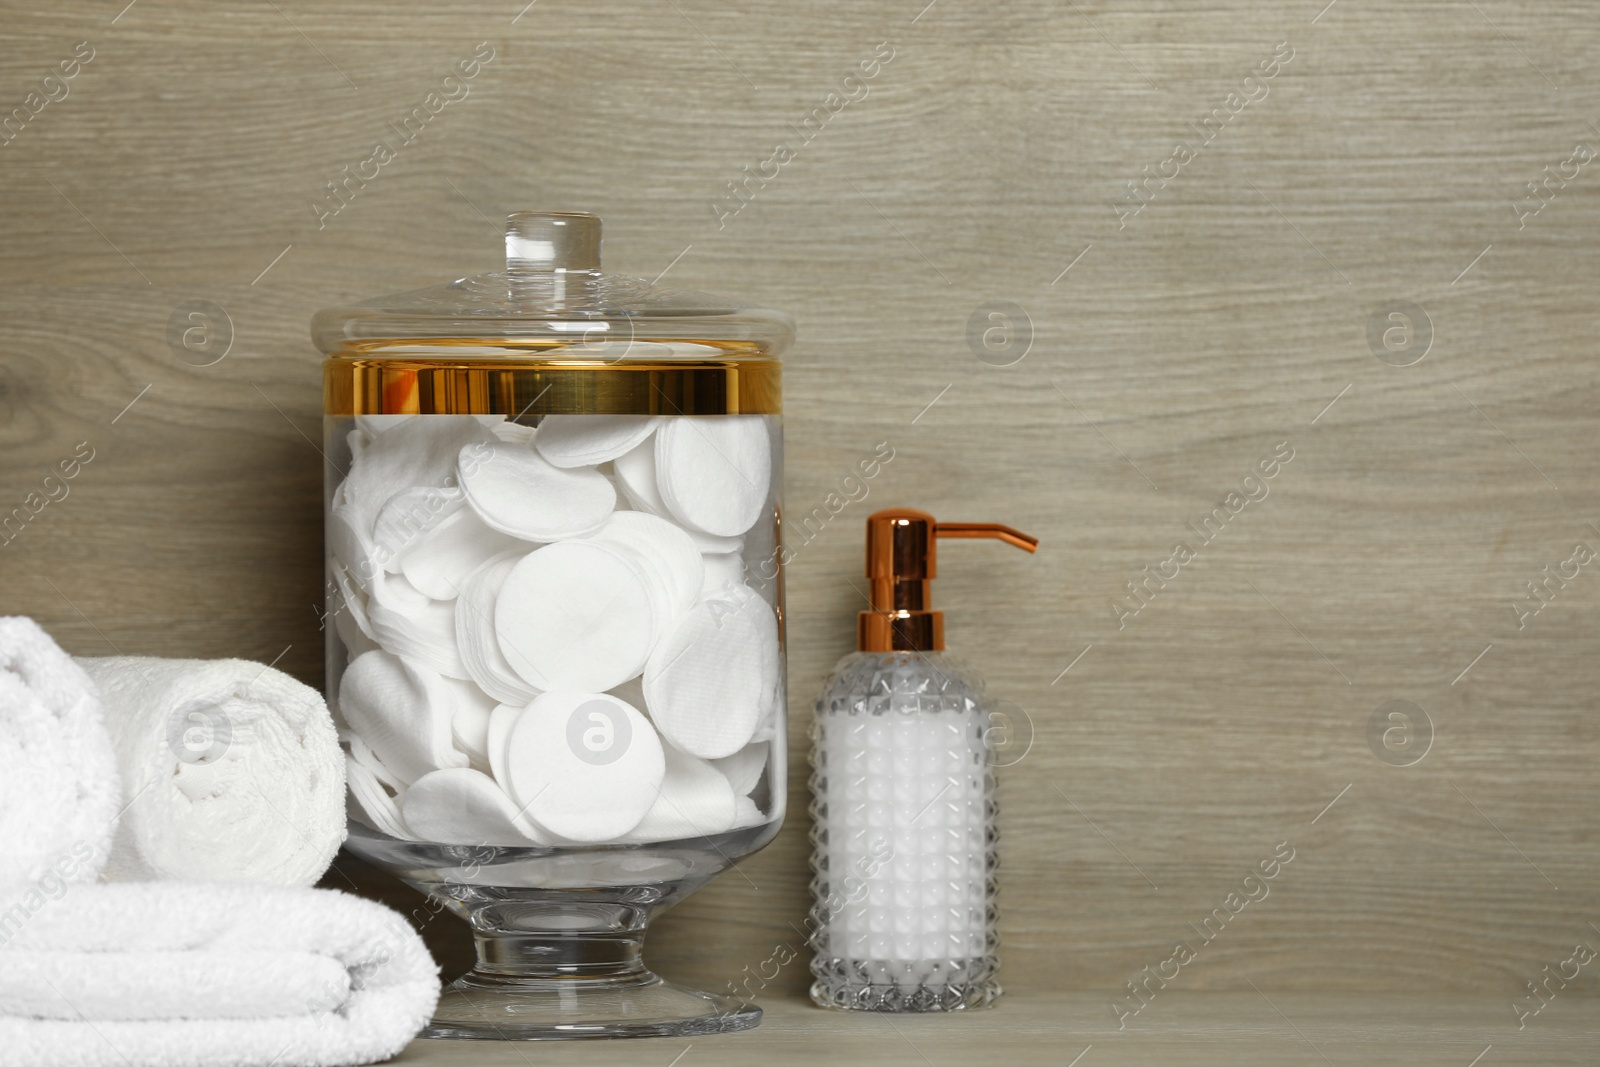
[
  {"x": 231, "y": 771},
  {"x": 170, "y": 974},
  {"x": 59, "y": 793}
]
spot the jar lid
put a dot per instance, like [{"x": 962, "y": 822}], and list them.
[{"x": 552, "y": 290}]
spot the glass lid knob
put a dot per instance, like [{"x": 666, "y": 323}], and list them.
[{"x": 551, "y": 241}]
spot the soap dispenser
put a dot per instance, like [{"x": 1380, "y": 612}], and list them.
[{"x": 903, "y": 805}]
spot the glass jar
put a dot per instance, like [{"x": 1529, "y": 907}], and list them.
[{"x": 555, "y": 617}]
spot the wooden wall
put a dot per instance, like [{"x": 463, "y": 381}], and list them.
[{"x": 1383, "y": 166}]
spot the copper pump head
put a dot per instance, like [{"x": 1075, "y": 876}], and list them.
[{"x": 900, "y": 564}]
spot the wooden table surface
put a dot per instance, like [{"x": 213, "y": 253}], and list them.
[
  {"x": 1435, "y": 470},
  {"x": 1195, "y": 1029}
]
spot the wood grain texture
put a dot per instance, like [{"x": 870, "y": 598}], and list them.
[
  {"x": 1201, "y": 1029},
  {"x": 1383, "y": 164}
]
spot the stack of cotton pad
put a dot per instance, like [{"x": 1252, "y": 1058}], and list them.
[{"x": 549, "y": 638}]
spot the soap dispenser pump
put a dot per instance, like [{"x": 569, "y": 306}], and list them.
[{"x": 903, "y": 805}]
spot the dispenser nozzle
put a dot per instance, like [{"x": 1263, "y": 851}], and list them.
[
  {"x": 988, "y": 529},
  {"x": 900, "y": 564}
]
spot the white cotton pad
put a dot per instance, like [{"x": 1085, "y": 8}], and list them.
[
  {"x": 518, "y": 492},
  {"x": 707, "y": 680},
  {"x": 469, "y": 721},
  {"x": 636, "y": 471},
  {"x": 709, "y": 544},
  {"x": 513, "y": 433},
  {"x": 743, "y": 768},
  {"x": 501, "y": 720},
  {"x": 373, "y": 425},
  {"x": 372, "y": 802},
  {"x": 773, "y": 731},
  {"x": 409, "y": 516},
  {"x": 349, "y": 622},
  {"x": 587, "y": 440},
  {"x": 465, "y": 807},
  {"x": 439, "y": 560},
  {"x": 668, "y": 557},
  {"x": 407, "y": 622},
  {"x": 421, "y": 450},
  {"x": 695, "y": 801},
  {"x": 348, "y": 605},
  {"x": 584, "y": 765},
  {"x": 403, "y": 711},
  {"x": 356, "y": 440},
  {"x": 713, "y": 473},
  {"x": 723, "y": 571},
  {"x": 362, "y": 753},
  {"x": 767, "y": 724},
  {"x": 746, "y": 813},
  {"x": 575, "y": 615},
  {"x": 480, "y": 649},
  {"x": 352, "y": 546}
]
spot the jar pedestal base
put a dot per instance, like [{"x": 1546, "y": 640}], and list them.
[{"x": 499, "y": 1007}]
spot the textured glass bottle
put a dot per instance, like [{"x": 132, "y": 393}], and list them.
[
  {"x": 903, "y": 798},
  {"x": 905, "y": 837}
]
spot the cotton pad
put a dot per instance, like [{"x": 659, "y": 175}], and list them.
[
  {"x": 713, "y": 473},
  {"x": 767, "y": 725},
  {"x": 584, "y": 765},
  {"x": 667, "y": 556},
  {"x": 707, "y": 681},
  {"x": 480, "y": 649},
  {"x": 348, "y": 604},
  {"x": 372, "y": 802},
  {"x": 513, "y": 433},
  {"x": 575, "y": 615},
  {"x": 407, "y": 622},
  {"x": 709, "y": 544},
  {"x": 363, "y": 754},
  {"x": 403, "y": 711},
  {"x": 373, "y": 425},
  {"x": 587, "y": 440},
  {"x": 469, "y": 721},
  {"x": 743, "y": 768},
  {"x": 440, "y": 559},
  {"x": 695, "y": 801},
  {"x": 409, "y": 516},
  {"x": 352, "y": 546},
  {"x": 349, "y": 622},
  {"x": 419, "y": 451},
  {"x": 636, "y": 472},
  {"x": 518, "y": 492},
  {"x": 501, "y": 720},
  {"x": 746, "y": 813},
  {"x": 465, "y": 807},
  {"x": 723, "y": 571}
]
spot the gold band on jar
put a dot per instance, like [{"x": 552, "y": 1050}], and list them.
[{"x": 359, "y": 384}]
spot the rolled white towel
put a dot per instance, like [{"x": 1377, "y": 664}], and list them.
[
  {"x": 59, "y": 793},
  {"x": 186, "y": 974},
  {"x": 231, "y": 771}
]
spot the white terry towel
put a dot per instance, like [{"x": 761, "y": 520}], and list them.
[
  {"x": 231, "y": 771},
  {"x": 169, "y": 974},
  {"x": 59, "y": 793}
]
